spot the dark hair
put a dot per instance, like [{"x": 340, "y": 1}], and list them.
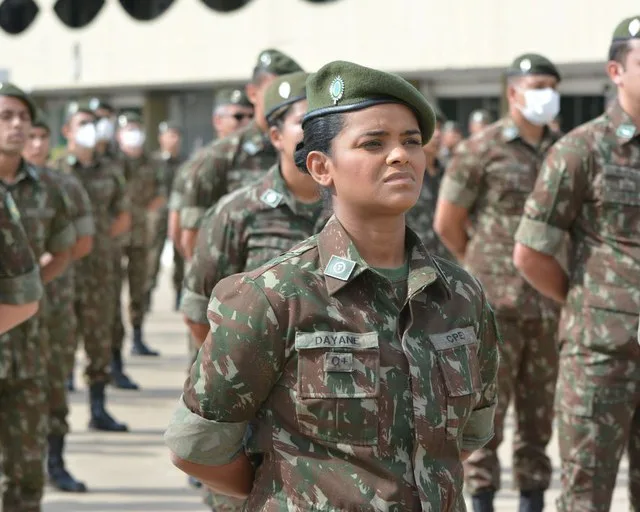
[
  {"x": 619, "y": 50},
  {"x": 319, "y": 133}
]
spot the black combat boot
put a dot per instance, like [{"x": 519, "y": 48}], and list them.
[
  {"x": 178, "y": 299},
  {"x": 59, "y": 477},
  {"x": 70, "y": 383},
  {"x": 483, "y": 501},
  {"x": 531, "y": 501},
  {"x": 139, "y": 347},
  {"x": 118, "y": 378},
  {"x": 100, "y": 418}
]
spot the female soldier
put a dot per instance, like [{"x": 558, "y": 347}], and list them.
[
  {"x": 256, "y": 223},
  {"x": 365, "y": 366}
]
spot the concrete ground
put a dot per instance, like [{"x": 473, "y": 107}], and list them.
[{"x": 131, "y": 472}]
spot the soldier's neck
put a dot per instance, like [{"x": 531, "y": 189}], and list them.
[
  {"x": 631, "y": 108},
  {"x": 301, "y": 185},
  {"x": 9, "y": 165},
  {"x": 85, "y": 156},
  {"x": 530, "y": 133}
]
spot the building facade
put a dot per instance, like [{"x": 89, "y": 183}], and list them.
[{"x": 166, "y": 57}]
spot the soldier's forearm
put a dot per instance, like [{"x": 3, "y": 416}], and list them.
[
  {"x": 156, "y": 204},
  {"x": 542, "y": 271},
  {"x": 55, "y": 266},
  {"x": 121, "y": 225}
]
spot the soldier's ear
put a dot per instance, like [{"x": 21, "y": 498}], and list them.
[
  {"x": 320, "y": 168},
  {"x": 276, "y": 138},
  {"x": 252, "y": 91}
]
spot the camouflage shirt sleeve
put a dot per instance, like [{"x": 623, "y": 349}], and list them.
[
  {"x": 63, "y": 234},
  {"x": 177, "y": 189},
  {"x": 20, "y": 281},
  {"x": 463, "y": 176},
  {"x": 234, "y": 373},
  {"x": 556, "y": 198},
  {"x": 120, "y": 202},
  {"x": 478, "y": 430},
  {"x": 81, "y": 207}
]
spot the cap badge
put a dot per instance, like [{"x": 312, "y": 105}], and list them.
[
  {"x": 525, "y": 65},
  {"x": 236, "y": 96},
  {"x": 265, "y": 59},
  {"x": 336, "y": 89},
  {"x": 634, "y": 27},
  {"x": 284, "y": 90}
]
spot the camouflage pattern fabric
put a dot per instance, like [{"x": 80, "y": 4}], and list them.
[
  {"x": 24, "y": 350},
  {"x": 491, "y": 175},
  {"x": 222, "y": 167},
  {"x": 589, "y": 187},
  {"x": 420, "y": 217},
  {"x": 61, "y": 321},
  {"x": 94, "y": 304},
  {"x": 356, "y": 401},
  {"x": 117, "y": 327},
  {"x": 20, "y": 281},
  {"x": 244, "y": 230}
]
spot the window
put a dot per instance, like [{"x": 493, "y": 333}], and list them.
[
  {"x": 77, "y": 13},
  {"x": 17, "y": 15},
  {"x": 225, "y": 5},
  {"x": 146, "y": 10}
]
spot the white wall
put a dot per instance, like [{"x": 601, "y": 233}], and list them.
[{"x": 191, "y": 44}]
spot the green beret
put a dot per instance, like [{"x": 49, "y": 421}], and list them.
[
  {"x": 346, "y": 87},
  {"x": 532, "y": 64},
  {"x": 74, "y": 107},
  {"x": 40, "y": 120},
  {"x": 8, "y": 89},
  {"x": 129, "y": 117},
  {"x": 166, "y": 126},
  {"x": 232, "y": 97},
  {"x": 480, "y": 116},
  {"x": 277, "y": 63},
  {"x": 628, "y": 28},
  {"x": 99, "y": 104},
  {"x": 284, "y": 91}
]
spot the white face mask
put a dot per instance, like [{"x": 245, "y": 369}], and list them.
[
  {"x": 132, "y": 138},
  {"x": 541, "y": 105},
  {"x": 86, "y": 136},
  {"x": 104, "y": 129}
]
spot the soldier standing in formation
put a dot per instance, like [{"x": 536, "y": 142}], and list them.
[
  {"x": 489, "y": 178},
  {"x": 589, "y": 188},
  {"x": 25, "y": 355},
  {"x": 478, "y": 121}
]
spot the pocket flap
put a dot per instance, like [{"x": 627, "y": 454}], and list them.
[{"x": 454, "y": 338}]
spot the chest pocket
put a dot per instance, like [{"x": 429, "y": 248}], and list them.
[
  {"x": 510, "y": 181},
  {"x": 37, "y": 223},
  {"x": 263, "y": 247},
  {"x": 620, "y": 193},
  {"x": 458, "y": 362},
  {"x": 337, "y": 386}
]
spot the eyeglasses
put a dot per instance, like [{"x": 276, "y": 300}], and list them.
[{"x": 240, "y": 117}]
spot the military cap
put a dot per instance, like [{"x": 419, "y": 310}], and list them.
[
  {"x": 533, "y": 64},
  {"x": 166, "y": 126},
  {"x": 8, "y": 89},
  {"x": 451, "y": 126},
  {"x": 232, "y": 97},
  {"x": 628, "y": 28},
  {"x": 277, "y": 63},
  {"x": 480, "y": 116},
  {"x": 346, "y": 87},
  {"x": 98, "y": 104},
  {"x": 40, "y": 120},
  {"x": 128, "y": 117},
  {"x": 73, "y": 107},
  {"x": 284, "y": 91}
]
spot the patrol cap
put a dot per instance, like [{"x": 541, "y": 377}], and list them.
[
  {"x": 73, "y": 107},
  {"x": 275, "y": 62},
  {"x": 129, "y": 117},
  {"x": 12, "y": 91},
  {"x": 628, "y": 28},
  {"x": 166, "y": 126},
  {"x": 480, "y": 116},
  {"x": 40, "y": 121},
  {"x": 341, "y": 86},
  {"x": 284, "y": 91},
  {"x": 100, "y": 104},
  {"x": 451, "y": 126},
  {"x": 533, "y": 64},
  {"x": 232, "y": 96}
]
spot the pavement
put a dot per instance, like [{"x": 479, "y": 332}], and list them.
[{"x": 131, "y": 471}]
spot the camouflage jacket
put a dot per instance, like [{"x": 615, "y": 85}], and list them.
[
  {"x": 60, "y": 291},
  {"x": 589, "y": 187},
  {"x": 178, "y": 188},
  {"x": 144, "y": 182},
  {"x": 356, "y": 401},
  {"x": 420, "y": 217},
  {"x": 20, "y": 281},
  {"x": 168, "y": 168},
  {"x": 491, "y": 175},
  {"x": 45, "y": 213},
  {"x": 222, "y": 167},
  {"x": 244, "y": 230}
]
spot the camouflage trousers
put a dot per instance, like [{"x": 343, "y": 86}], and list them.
[
  {"x": 117, "y": 327},
  {"x": 528, "y": 372},
  {"x": 61, "y": 324},
  {"x": 23, "y": 441},
  {"x": 160, "y": 230}
]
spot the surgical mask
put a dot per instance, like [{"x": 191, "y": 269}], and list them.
[
  {"x": 104, "y": 129},
  {"x": 86, "y": 136},
  {"x": 541, "y": 105},
  {"x": 132, "y": 138}
]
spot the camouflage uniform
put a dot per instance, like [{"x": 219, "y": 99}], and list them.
[
  {"x": 420, "y": 217},
  {"x": 222, "y": 167},
  {"x": 159, "y": 225},
  {"x": 360, "y": 391},
  {"x": 491, "y": 175},
  {"x": 589, "y": 187},
  {"x": 20, "y": 281},
  {"x": 24, "y": 350}
]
